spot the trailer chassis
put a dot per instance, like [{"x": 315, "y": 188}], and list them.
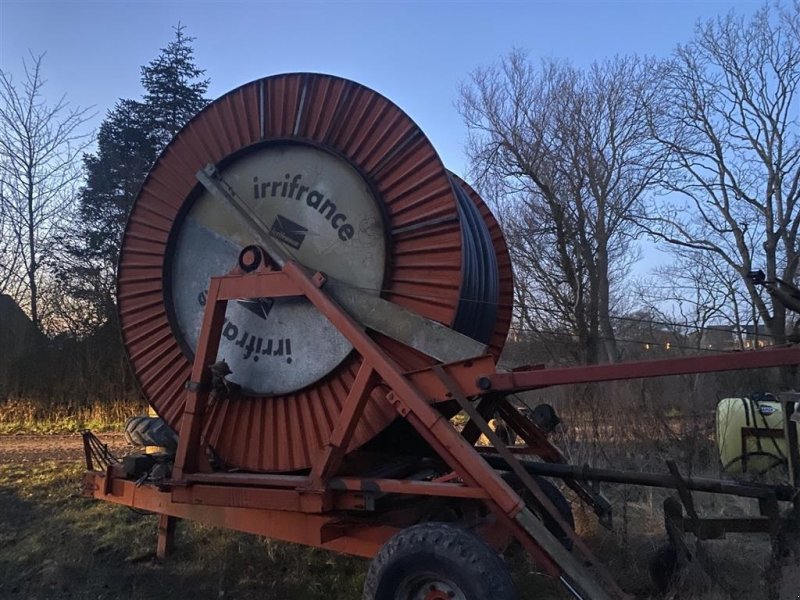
[{"x": 336, "y": 508}]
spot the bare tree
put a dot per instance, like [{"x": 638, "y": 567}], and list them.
[
  {"x": 9, "y": 254},
  {"x": 732, "y": 131},
  {"x": 40, "y": 149},
  {"x": 701, "y": 298},
  {"x": 566, "y": 154}
]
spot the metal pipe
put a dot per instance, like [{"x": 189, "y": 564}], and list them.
[
  {"x": 519, "y": 381},
  {"x": 784, "y": 493}
]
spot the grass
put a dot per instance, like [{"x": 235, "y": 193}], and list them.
[
  {"x": 56, "y": 544},
  {"x": 30, "y": 417}
]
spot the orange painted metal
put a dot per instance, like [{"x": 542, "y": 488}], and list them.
[
  {"x": 323, "y": 530},
  {"x": 308, "y": 509},
  {"x": 243, "y": 497},
  {"x": 408, "y": 401},
  {"x": 265, "y": 503},
  {"x": 278, "y": 480},
  {"x": 197, "y": 391},
  {"x": 375, "y": 363},
  {"x": 406, "y": 486},
  {"x": 299, "y": 497},
  {"x": 466, "y": 372},
  {"x": 241, "y": 286},
  {"x": 528, "y": 481},
  {"x": 537, "y": 443},
  {"x": 331, "y": 456},
  {"x": 284, "y": 433},
  {"x": 535, "y": 439},
  {"x": 728, "y": 361},
  {"x": 217, "y": 497}
]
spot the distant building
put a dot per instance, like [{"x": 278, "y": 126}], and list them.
[
  {"x": 717, "y": 337},
  {"x": 19, "y": 340},
  {"x": 727, "y": 337},
  {"x": 757, "y": 336},
  {"x": 18, "y": 334},
  {"x": 641, "y": 332}
]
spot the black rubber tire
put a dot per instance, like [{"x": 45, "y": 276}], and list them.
[
  {"x": 562, "y": 505},
  {"x": 663, "y": 566},
  {"x": 564, "y": 508},
  {"x": 439, "y": 550},
  {"x": 150, "y": 431}
]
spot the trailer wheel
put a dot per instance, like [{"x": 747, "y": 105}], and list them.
[
  {"x": 437, "y": 561},
  {"x": 561, "y": 504},
  {"x": 150, "y": 431},
  {"x": 663, "y": 566}
]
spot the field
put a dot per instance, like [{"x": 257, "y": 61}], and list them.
[{"x": 56, "y": 544}]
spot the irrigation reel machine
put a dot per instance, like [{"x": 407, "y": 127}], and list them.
[{"x": 307, "y": 297}]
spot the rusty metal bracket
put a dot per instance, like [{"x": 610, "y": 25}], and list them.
[{"x": 96, "y": 452}]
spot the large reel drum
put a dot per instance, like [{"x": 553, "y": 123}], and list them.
[{"x": 348, "y": 185}]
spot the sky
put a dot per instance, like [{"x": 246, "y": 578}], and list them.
[{"x": 417, "y": 53}]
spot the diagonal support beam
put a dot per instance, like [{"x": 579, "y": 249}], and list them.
[
  {"x": 330, "y": 459},
  {"x": 486, "y": 407},
  {"x": 539, "y": 443},
  {"x": 576, "y": 574}
]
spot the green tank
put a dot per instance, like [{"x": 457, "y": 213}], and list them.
[{"x": 750, "y": 434}]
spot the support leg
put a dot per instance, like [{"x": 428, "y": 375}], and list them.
[{"x": 166, "y": 535}]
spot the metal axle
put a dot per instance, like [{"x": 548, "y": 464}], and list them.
[{"x": 784, "y": 493}]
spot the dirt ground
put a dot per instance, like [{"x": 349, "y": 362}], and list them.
[
  {"x": 33, "y": 448},
  {"x": 56, "y": 544}
]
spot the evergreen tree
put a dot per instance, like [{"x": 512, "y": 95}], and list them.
[
  {"x": 130, "y": 139},
  {"x": 125, "y": 152},
  {"x": 173, "y": 88}
]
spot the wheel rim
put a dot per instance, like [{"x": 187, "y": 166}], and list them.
[{"x": 429, "y": 586}]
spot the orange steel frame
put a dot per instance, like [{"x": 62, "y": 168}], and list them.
[{"x": 308, "y": 509}]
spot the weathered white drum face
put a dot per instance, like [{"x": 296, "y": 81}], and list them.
[{"x": 323, "y": 213}]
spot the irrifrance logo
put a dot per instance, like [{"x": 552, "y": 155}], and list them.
[
  {"x": 254, "y": 347},
  {"x": 289, "y": 232},
  {"x": 291, "y": 188}
]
